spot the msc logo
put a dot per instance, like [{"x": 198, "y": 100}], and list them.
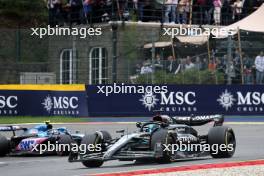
[
  {"x": 149, "y": 100},
  {"x": 245, "y": 101},
  {"x": 226, "y": 100},
  {"x": 8, "y": 102},
  {"x": 60, "y": 103},
  {"x": 178, "y": 98}
]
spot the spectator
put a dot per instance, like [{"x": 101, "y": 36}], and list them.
[
  {"x": 140, "y": 4},
  {"x": 158, "y": 64},
  {"x": 224, "y": 59},
  {"x": 237, "y": 10},
  {"x": 248, "y": 70},
  {"x": 249, "y": 6},
  {"x": 135, "y": 74},
  {"x": 189, "y": 65},
  {"x": 198, "y": 64},
  {"x": 220, "y": 65},
  {"x": 188, "y": 9},
  {"x": 76, "y": 11},
  {"x": 146, "y": 68},
  {"x": 209, "y": 11},
  {"x": 237, "y": 57},
  {"x": 204, "y": 63},
  {"x": 217, "y": 11},
  {"x": 171, "y": 65},
  {"x": 121, "y": 9},
  {"x": 105, "y": 10},
  {"x": 201, "y": 4},
  {"x": 230, "y": 70},
  {"x": 259, "y": 64},
  {"x": 212, "y": 65},
  {"x": 54, "y": 8},
  {"x": 226, "y": 12},
  {"x": 87, "y": 8},
  {"x": 170, "y": 6},
  {"x": 182, "y": 11},
  {"x": 258, "y": 3}
]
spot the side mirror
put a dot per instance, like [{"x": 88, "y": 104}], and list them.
[
  {"x": 121, "y": 131},
  {"x": 139, "y": 124}
]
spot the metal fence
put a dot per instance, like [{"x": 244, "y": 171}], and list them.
[
  {"x": 138, "y": 61},
  {"x": 187, "y": 11}
]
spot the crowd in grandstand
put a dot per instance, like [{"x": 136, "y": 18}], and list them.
[
  {"x": 252, "y": 70},
  {"x": 173, "y": 11}
]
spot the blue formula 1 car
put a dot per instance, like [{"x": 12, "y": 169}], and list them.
[{"x": 30, "y": 140}]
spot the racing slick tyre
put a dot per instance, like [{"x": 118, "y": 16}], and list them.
[
  {"x": 88, "y": 140},
  {"x": 164, "y": 138},
  {"x": 4, "y": 145},
  {"x": 65, "y": 140},
  {"x": 106, "y": 136},
  {"x": 220, "y": 135}
]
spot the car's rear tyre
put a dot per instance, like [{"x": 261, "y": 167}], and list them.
[
  {"x": 164, "y": 138},
  {"x": 4, "y": 146},
  {"x": 95, "y": 139},
  {"x": 65, "y": 140},
  {"x": 222, "y": 135}
]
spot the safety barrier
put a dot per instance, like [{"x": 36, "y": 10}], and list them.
[
  {"x": 43, "y": 100},
  {"x": 130, "y": 100},
  {"x": 136, "y": 100}
]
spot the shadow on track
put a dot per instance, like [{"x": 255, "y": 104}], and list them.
[{"x": 145, "y": 163}]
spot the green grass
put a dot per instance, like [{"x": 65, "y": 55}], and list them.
[{"x": 28, "y": 119}]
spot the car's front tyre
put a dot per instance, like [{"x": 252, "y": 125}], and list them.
[
  {"x": 95, "y": 139},
  {"x": 164, "y": 138}
]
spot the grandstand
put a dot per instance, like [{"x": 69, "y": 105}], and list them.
[{"x": 131, "y": 41}]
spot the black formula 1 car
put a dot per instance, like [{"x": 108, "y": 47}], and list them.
[
  {"x": 161, "y": 139},
  {"x": 30, "y": 140}
]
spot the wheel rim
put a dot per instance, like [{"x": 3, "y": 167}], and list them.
[
  {"x": 230, "y": 139},
  {"x": 169, "y": 140}
]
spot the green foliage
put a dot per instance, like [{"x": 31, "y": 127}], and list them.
[
  {"x": 130, "y": 42},
  {"x": 29, "y": 12},
  {"x": 186, "y": 77},
  {"x": 29, "y": 119}
]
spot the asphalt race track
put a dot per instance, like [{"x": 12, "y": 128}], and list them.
[{"x": 250, "y": 142}]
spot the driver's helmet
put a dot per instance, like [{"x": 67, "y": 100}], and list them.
[
  {"x": 49, "y": 126},
  {"x": 161, "y": 118}
]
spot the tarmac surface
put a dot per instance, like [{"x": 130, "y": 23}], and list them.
[{"x": 250, "y": 142}]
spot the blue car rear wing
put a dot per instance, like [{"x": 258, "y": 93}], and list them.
[{"x": 12, "y": 129}]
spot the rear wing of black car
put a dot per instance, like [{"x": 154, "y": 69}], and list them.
[
  {"x": 199, "y": 120},
  {"x": 12, "y": 129}
]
